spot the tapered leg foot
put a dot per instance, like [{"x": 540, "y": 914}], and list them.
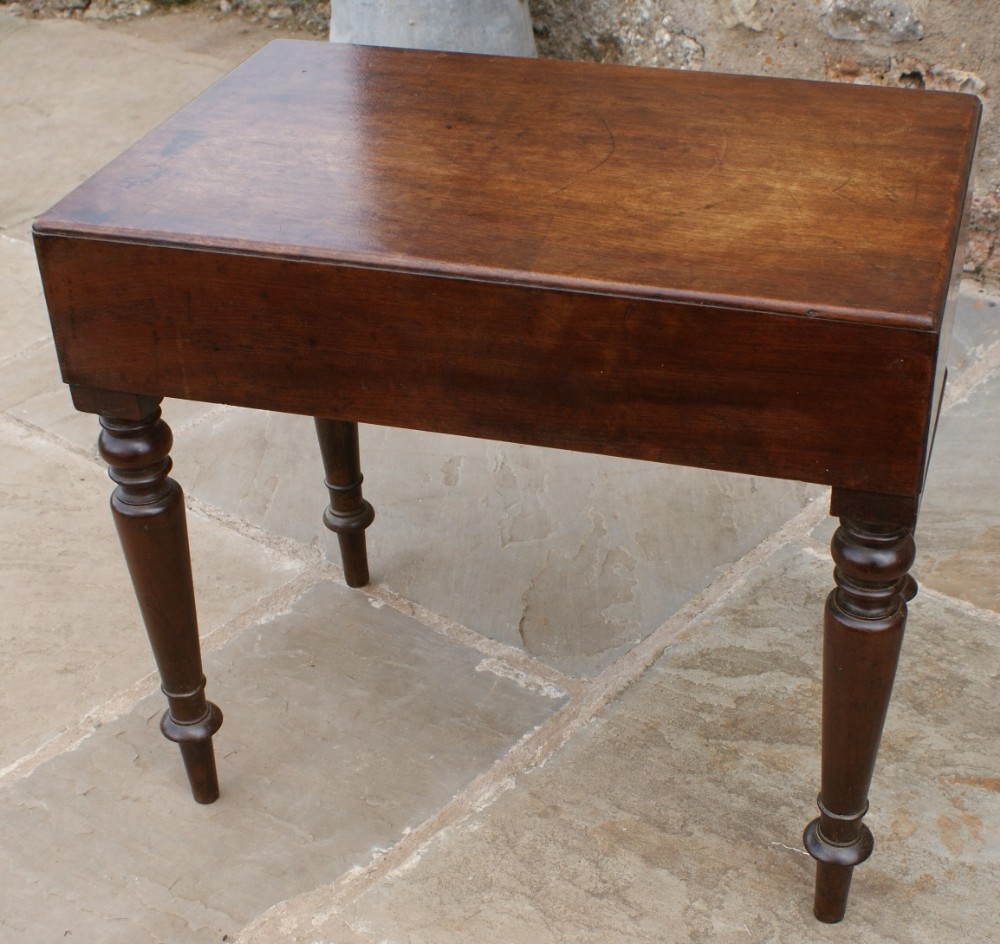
[
  {"x": 148, "y": 509},
  {"x": 835, "y": 867},
  {"x": 199, "y": 758},
  {"x": 194, "y": 738},
  {"x": 863, "y": 633},
  {"x": 348, "y": 514}
]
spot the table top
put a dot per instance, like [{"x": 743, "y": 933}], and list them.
[{"x": 832, "y": 201}]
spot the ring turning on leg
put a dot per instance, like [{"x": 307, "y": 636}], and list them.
[
  {"x": 348, "y": 514},
  {"x": 863, "y": 633},
  {"x": 148, "y": 509}
]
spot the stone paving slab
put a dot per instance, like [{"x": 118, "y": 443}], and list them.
[
  {"x": 573, "y": 558},
  {"x": 70, "y": 633},
  {"x": 677, "y": 811},
  {"x": 976, "y": 327},
  {"x": 81, "y": 96},
  {"x": 677, "y": 817},
  {"x": 346, "y": 725},
  {"x": 21, "y": 304},
  {"x": 959, "y": 536}
]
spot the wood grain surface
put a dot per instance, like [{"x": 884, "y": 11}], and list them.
[
  {"x": 761, "y": 193},
  {"x": 723, "y": 271}
]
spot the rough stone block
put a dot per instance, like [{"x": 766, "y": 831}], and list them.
[
  {"x": 888, "y": 20},
  {"x": 744, "y": 13},
  {"x": 501, "y": 27}
]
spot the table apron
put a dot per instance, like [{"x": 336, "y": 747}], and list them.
[{"x": 780, "y": 395}]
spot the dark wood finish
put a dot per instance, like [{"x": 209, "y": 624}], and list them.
[
  {"x": 148, "y": 509},
  {"x": 863, "y": 633},
  {"x": 725, "y": 241},
  {"x": 752, "y": 193},
  {"x": 348, "y": 514},
  {"x": 722, "y": 271},
  {"x": 720, "y": 388}
]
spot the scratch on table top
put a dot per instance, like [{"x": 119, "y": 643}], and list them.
[{"x": 613, "y": 146}]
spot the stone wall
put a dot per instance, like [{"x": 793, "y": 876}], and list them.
[{"x": 934, "y": 44}]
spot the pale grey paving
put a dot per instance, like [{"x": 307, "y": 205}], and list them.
[
  {"x": 23, "y": 323},
  {"x": 976, "y": 327},
  {"x": 677, "y": 816},
  {"x": 574, "y": 558},
  {"x": 80, "y": 96},
  {"x": 346, "y": 725},
  {"x": 70, "y": 634},
  {"x": 959, "y": 539}
]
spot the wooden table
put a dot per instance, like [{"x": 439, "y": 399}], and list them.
[{"x": 719, "y": 271}]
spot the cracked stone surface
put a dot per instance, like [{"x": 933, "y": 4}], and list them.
[
  {"x": 572, "y": 557},
  {"x": 888, "y": 20},
  {"x": 677, "y": 817},
  {"x": 70, "y": 632},
  {"x": 346, "y": 724}
]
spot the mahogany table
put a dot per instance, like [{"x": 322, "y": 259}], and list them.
[{"x": 719, "y": 271}]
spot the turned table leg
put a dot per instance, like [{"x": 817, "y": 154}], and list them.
[
  {"x": 148, "y": 509},
  {"x": 863, "y": 632},
  {"x": 348, "y": 514}
]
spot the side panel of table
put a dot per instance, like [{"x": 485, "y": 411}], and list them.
[{"x": 789, "y": 396}]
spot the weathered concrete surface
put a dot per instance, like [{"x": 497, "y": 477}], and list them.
[
  {"x": 500, "y": 27},
  {"x": 953, "y": 46},
  {"x": 368, "y": 737}
]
